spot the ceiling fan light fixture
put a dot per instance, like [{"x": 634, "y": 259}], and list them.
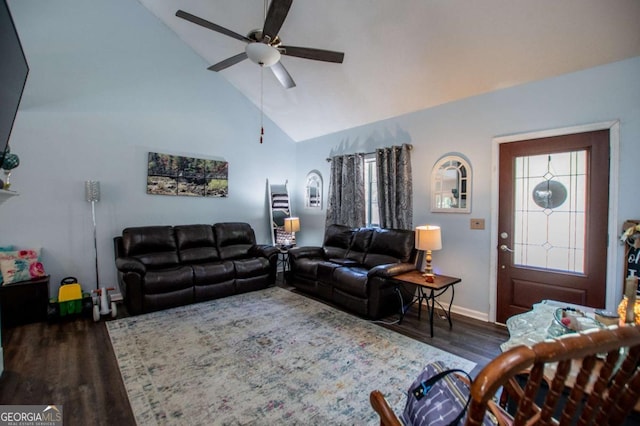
[{"x": 262, "y": 54}]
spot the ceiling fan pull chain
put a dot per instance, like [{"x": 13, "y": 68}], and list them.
[{"x": 261, "y": 103}]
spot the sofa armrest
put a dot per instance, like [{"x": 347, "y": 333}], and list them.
[
  {"x": 308, "y": 251},
  {"x": 263, "y": 250},
  {"x": 390, "y": 269},
  {"x": 130, "y": 264}
]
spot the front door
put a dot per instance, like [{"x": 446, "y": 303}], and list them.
[{"x": 552, "y": 221}]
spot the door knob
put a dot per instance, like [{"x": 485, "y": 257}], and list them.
[{"x": 504, "y": 247}]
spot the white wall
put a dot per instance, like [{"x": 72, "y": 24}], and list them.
[
  {"x": 606, "y": 93},
  {"x": 107, "y": 84}
]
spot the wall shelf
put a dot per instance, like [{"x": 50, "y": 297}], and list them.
[{"x": 5, "y": 195}]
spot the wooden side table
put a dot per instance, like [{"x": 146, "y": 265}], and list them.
[
  {"x": 24, "y": 302},
  {"x": 429, "y": 292}
]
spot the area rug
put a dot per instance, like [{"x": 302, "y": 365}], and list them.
[{"x": 264, "y": 358}]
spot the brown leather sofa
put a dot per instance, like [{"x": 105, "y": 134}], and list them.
[
  {"x": 353, "y": 268},
  {"x": 165, "y": 266}
]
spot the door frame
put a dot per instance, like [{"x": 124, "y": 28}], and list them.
[{"x": 614, "y": 279}]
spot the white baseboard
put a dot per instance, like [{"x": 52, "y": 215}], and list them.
[{"x": 482, "y": 316}]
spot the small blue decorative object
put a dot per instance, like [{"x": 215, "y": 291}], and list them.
[{"x": 11, "y": 161}]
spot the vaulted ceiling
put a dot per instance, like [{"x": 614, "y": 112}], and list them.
[{"x": 405, "y": 56}]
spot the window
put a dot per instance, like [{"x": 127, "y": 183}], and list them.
[{"x": 371, "y": 191}]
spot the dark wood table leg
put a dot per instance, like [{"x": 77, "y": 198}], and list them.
[
  {"x": 431, "y": 307},
  {"x": 453, "y": 293},
  {"x": 402, "y": 308}
]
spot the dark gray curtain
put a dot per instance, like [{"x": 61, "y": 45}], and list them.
[
  {"x": 346, "y": 205},
  {"x": 395, "y": 187}
]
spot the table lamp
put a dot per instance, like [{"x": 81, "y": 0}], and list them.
[
  {"x": 428, "y": 238},
  {"x": 292, "y": 225}
]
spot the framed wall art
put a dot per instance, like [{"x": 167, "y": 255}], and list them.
[{"x": 192, "y": 177}]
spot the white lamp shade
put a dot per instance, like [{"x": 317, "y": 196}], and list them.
[
  {"x": 292, "y": 224},
  {"x": 428, "y": 237},
  {"x": 262, "y": 54}
]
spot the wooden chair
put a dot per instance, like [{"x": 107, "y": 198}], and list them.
[{"x": 600, "y": 380}]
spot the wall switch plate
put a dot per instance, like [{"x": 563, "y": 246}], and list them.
[{"x": 477, "y": 223}]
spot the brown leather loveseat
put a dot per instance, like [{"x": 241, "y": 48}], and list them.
[
  {"x": 165, "y": 266},
  {"x": 353, "y": 268}
]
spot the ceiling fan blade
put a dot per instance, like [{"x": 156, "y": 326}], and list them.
[
  {"x": 283, "y": 75},
  {"x": 315, "y": 54},
  {"x": 228, "y": 62},
  {"x": 278, "y": 10},
  {"x": 210, "y": 25}
]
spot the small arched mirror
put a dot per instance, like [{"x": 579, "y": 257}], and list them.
[
  {"x": 451, "y": 185},
  {"x": 313, "y": 190}
]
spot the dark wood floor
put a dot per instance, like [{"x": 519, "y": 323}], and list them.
[{"x": 72, "y": 363}]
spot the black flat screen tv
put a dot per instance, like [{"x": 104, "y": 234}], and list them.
[{"x": 13, "y": 75}]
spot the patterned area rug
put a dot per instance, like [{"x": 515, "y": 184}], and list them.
[{"x": 264, "y": 358}]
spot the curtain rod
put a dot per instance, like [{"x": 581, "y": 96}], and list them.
[{"x": 369, "y": 153}]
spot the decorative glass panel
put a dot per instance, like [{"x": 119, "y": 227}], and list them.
[{"x": 550, "y": 210}]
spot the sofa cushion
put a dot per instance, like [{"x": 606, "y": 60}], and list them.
[
  {"x": 154, "y": 246},
  {"x": 359, "y": 245},
  {"x": 251, "y": 267},
  {"x": 325, "y": 271},
  {"x": 16, "y": 270},
  {"x": 8, "y": 253},
  {"x": 234, "y": 239},
  {"x": 196, "y": 243},
  {"x": 337, "y": 240},
  {"x": 209, "y": 273},
  {"x": 168, "y": 280},
  {"x": 351, "y": 280},
  {"x": 389, "y": 246}
]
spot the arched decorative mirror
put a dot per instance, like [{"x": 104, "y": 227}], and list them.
[
  {"x": 313, "y": 190},
  {"x": 451, "y": 185}
]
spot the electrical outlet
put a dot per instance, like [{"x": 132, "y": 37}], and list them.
[{"x": 477, "y": 223}]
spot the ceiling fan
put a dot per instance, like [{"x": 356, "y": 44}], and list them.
[{"x": 264, "y": 47}]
